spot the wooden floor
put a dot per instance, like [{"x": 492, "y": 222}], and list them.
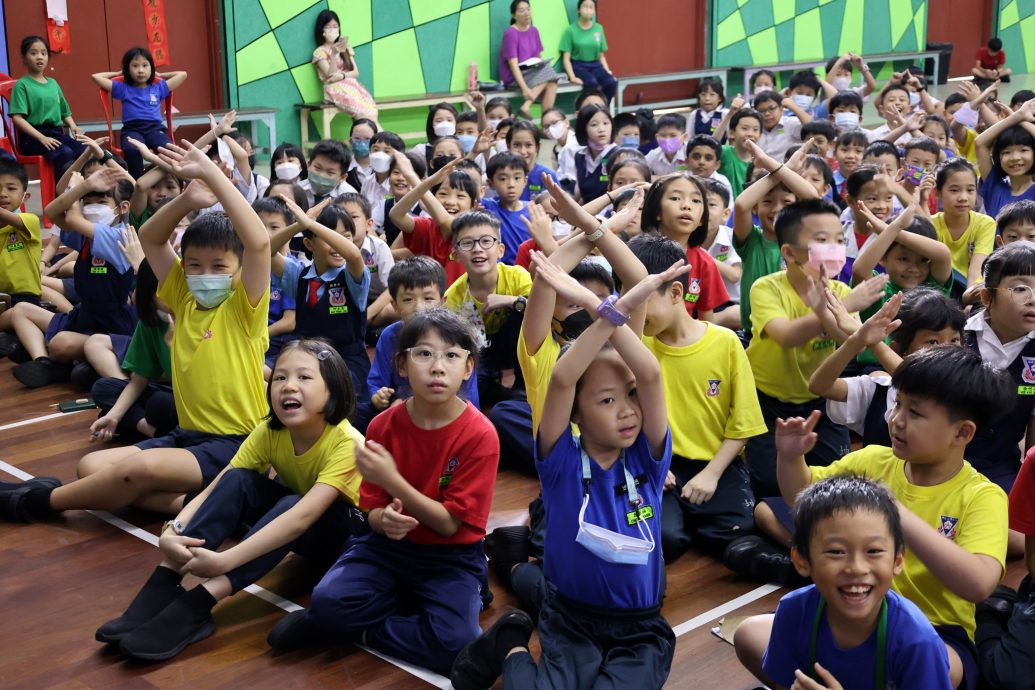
[{"x": 60, "y": 580}]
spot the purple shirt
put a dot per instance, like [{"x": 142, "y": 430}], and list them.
[{"x": 518, "y": 44}]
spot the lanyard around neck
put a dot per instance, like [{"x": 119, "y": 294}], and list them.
[
  {"x": 879, "y": 682},
  {"x": 630, "y": 481}
]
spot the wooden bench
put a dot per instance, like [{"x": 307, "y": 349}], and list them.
[{"x": 878, "y": 57}]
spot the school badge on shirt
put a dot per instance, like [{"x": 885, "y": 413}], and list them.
[
  {"x": 947, "y": 526},
  {"x": 336, "y": 296},
  {"x": 693, "y": 291},
  {"x": 713, "y": 387},
  {"x": 447, "y": 476},
  {"x": 13, "y": 243},
  {"x": 1028, "y": 373},
  {"x": 99, "y": 266}
]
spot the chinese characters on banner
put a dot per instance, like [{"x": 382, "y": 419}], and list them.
[
  {"x": 57, "y": 27},
  {"x": 157, "y": 35}
]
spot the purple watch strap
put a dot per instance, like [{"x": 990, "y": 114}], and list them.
[{"x": 609, "y": 311}]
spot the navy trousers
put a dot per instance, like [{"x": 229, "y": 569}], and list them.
[
  {"x": 61, "y": 157},
  {"x": 513, "y": 422},
  {"x": 1006, "y": 658},
  {"x": 418, "y": 602},
  {"x": 594, "y": 76},
  {"x": 152, "y": 133},
  {"x": 155, "y": 404}
]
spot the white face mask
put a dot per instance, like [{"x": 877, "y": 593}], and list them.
[
  {"x": 557, "y": 129},
  {"x": 493, "y": 123},
  {"x": 209, "y": 290},
  {"x": 846, "y": 121},
  {"x": 99, "y": 213},
  {"x": 914, "y": 98},
  {"x": 804, "y": 102},
  {"x": 331, "y": 35},
  {"x": 501, "y": 145},
  {"x": 560, "y": 229},
  {"x": 380, "y": 161},
  {"x": 841, "y": 83},
  {"x": 287, "y": 172},
  {"x": 446, "y": 128}
]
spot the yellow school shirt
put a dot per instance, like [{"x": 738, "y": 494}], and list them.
[
  {"x": 510, "y": 280},
  {"x": 779, "y": 373},
  {"x": 979, "y": 238},
  {"x": 217, "y": 358},
  {"x": 968, "y": 509},
  {"x": 331, "y": 460},
  {"x": 536, "y": 370},
  {"x": 709, "y": 392},
  {"x": 966, "y": 149},
  {"x": 20, "y": 252}
]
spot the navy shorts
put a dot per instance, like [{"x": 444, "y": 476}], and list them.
[
  {"x": 956, "y": 637},
  {"x": 25, "y": 297},
  {"x": 212, "y": 451}
]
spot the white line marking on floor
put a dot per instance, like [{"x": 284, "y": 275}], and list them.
[
  {"x": 27, "y": 422},
  {"x": 287, "y": 605},
  {"x": 722, "y": 610}
]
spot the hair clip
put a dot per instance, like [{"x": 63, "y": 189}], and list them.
[{"x": 323, "y": 354}]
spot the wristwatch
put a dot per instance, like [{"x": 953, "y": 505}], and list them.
[
  {"x": 106, "y": 157},
  {"x": 598, "y": 233},
  {"x": 176, "y": 526},
  {"x": 608, "y": 310},
  {"x": 519, "y": 305}
]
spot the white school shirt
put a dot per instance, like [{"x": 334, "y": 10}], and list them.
[
  {"x": 375, "y": 192},
  {"x": 377, "y": 255},
  {"x": 1000, "y": 355},
  {"x": 363, "y": 172},
  {"x": 725, "y": 182},
  {"x": 342, "y": 188},
  {"x": 861, "y": 389},
  {"x": 659, "y": 163},
  {"x": 782, "y": 137},
  {"x": 722, "y": 250},
  {"x": 566, "y": 158}
]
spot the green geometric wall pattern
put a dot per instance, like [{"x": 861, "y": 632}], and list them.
[
  {"x": 759, "y": 32},
  {"x": 403, "y": 48},
  {"x": 1015, "y": 22}
]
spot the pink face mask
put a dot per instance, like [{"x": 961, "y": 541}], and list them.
[
  {"x": 669, "y": 146},
  {"x": 828, "y": 256}
]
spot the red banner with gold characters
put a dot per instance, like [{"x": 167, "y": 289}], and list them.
[
  {"x": 157, "y": 36},
  {"x": 59, "y": 38}
]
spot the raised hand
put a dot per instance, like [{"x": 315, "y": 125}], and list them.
[
  {"x": 638, "y": 294},
  {"x": 878, "y": 327},
  {"x": 737, "y": 103},
  {"x": 567, "y": 288},
  {"x": 567, "y": 208},
  {"x": 131, "y": 247},
  {"x": 382, "y": 397},
  {"x": 103, "y": 179},
  {"x": 538, "y": 223},
  {"x": 621, "y": 220},
  {"x": 796, "y": 436},
  {"x": 199, "y": 195},
  {"x": 188, "y": 161},
  {"x": 225, "y": 125},
  {"x": 866, "y": 293}
]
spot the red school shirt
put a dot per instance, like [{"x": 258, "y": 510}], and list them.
[
  {"x": 1022, "y": 497},
  {"x": 524, "y": 253},
  {"x": 455, "y": 465},
  {"x": 990, "y": 61},
  {"x": 705, "y": 289},
  {"x": 427, "y": 240}
]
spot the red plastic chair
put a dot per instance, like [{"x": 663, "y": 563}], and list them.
[
  {"x": 108, "y": 105},
  {"x": 9, "y": 143}
]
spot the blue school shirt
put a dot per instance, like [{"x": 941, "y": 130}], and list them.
[
  {"x": 141, "y": 102},
  {"x": 995, "y": 191},
  {"x": 512, "y": 229},
  {"x": 384, "y": 375},
  {"x": 535, "y": 181},
  {"x": 915, "y": 658},
  {"x": 294, "y": 269},
  {"x": 281, "y": 299},
  {"x": 105, "y": 244},
  {"x": 574, "y": 570}
]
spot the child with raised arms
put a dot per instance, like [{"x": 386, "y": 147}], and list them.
[
  {"x": 310, "y": 508},
  {"x": 600, "y": 608},
  {"x": 428, "y": 467},
  {"x": 1005, "y": 159}
]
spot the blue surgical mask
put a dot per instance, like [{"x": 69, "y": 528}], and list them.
[
  {"x": 467, "y": 141},
  {"x": 321, "y": 184},
  {"x": 361, "y": 148},
  {"x": 846, "y": 120},
  {"x": 209, "y": 290},
  {"x": 631, "y": 141}
]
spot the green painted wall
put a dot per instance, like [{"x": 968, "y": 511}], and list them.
[
  {"x": 403, "y": 47},
  {"x": 1015, "y": 24}
]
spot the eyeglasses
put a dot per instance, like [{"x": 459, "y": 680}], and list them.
[
  {"x": 425, "y": 356},
  {"x": 766, "y": 111},
  {"x": 485, "y": 242},
  {"x": 1020, "y": 294}
]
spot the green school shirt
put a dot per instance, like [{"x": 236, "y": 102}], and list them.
[
  {"x": 148, "y": 354},
  {"x": 734, "y": 169},
  {"x": 890, "y": 290},
  {"x": 40, "y": 104},
  {"x": 759, "y": 257},
  {"x": 585, "y": 45}
]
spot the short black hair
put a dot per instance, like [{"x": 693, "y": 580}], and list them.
[
  {"x": 657, "y": 253},
  {"x": 845, "y": 98},
  {"x": 449, "y": 325},
  {"x": 882, "y": 148},
  {"x": 706, "y": 141},
  {"x": 673, "y": 120},
  {"x": 500, "y": 102},
  {"x": 9, "y": 166},
  {"x": 745, "y": 113},
  {"x": 429, "y": 128},
  {"x": 333, "y": 150},
  {"x": 462, "y": 181},
  {"x": 586, "y": 114},
  {"x": 363, "y": 121},
  {"x": 806, "y": 78},
  {"x": 144, "y": 296},
  {"x": 888, "y": 88},
  {"x": 713, "y": 186},
  {"x": 467, "y": 116},
  {"x": 1011, "y": 136},
  {"x": 273, "y": 205},
  {"x": 28, "y": 42},
  {"x": 763, "y": 73},
  {"x": 925, "y": 144},
  {"x": 712, "y": 84},
  {"x": 419, "y": 165},
  {"x": 212, "y": 230},
  {"x": 288, "y": 150},
  {"x": 416, "y": 272},
  {"x": 588, "y": 270},
  {"x": 474, "y": 219},
  {"x": 820, "y": 165},
  {"x": 823, "y": 128},
  {"x": 616, "y": 164},
  {"x": 505, "y": 160},
  {"x": 587, "y": 93},
  {"x": 995, "y": 44},
  {"x": 624, "y": 120},
  {"x": 1014, "y": 214},
  {"x": 847, "y": 64},
  {"x": 298, "y": 194},
  {"x": 788, "y": 222},
  {"x": 127, "y": 58},
  {"x": 950, "y": 167},
  {"x": 925, "y": 309},
  {"x": 390, "y": 138},
  {"x": 843, "y": 494},
  {"x": 954, "y": 98},
  {"x": 1014, "y": 259},
  {"x": 341, "y": 399},
  {"x": 1017, "y": 99},
  {"x": 650, "y": 219},
  {"x": 941, "y": 122},
  {"x": 357, "y": 199},
  {"x": 957, "y": 379},
  {"x": 860, "y": 177},
  {"x": 765, "y": 97},
  {"x": 856, "y": 137},
  {"x": 330, "y": 216}
]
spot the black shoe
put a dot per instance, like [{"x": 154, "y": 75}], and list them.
[
  {"x": 480, "y": 663},
  {"x": 294, "y": 631},
  {"x": 741, "y": 552},
  {"x": 160, "y": 590},
  {"x": 13, "y": 503},
  {"x": 778, "y": 568},
  {"x": 42, "y": 372},
  {"x": 8, "y": 342},
  {"x": 372, "y": 336},
  {"x": 84, "y": 376},
  {"x": 759, "y": 558},
  {"x": 18, "y": 354},
  {"x": 505, "y": 547},
  {"x": 188, "y": 619}
]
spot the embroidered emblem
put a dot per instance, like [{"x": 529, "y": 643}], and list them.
[
  {"x": 713, "y": 387},
  {"x": 948, "y": 527}
]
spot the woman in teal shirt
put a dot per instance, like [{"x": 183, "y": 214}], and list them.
[{"x": 583, "y": 45}]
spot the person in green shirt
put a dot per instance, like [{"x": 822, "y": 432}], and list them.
[
  {"x": 583, "y": 47},
  {"x": 38, "y": 109}
]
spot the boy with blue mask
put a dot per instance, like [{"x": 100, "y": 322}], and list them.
[
  {"x": 627, "y": 130},
  {"x": 219, "y": 296}
]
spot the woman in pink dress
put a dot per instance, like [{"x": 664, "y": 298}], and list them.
[{"x": 335, "y": 63}]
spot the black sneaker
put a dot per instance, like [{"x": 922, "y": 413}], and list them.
[
  {"x": 479, "y": 664},
  {"x": 160, "y": 590},
  {"x": 741, "y": 552},
  {"x": 777, "y": 567},
  {"x": 505, "y": 547},
  {"x": 188, "y": 619},
  {"x": 84, "y": 376},
  {"x": 8, "y": 342},
  {"x": 42, "y": 372},
  {"x": 12, "y": 498},
  {"x": 18, "y": 354},
  {"x": 294, "y": 631}
]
